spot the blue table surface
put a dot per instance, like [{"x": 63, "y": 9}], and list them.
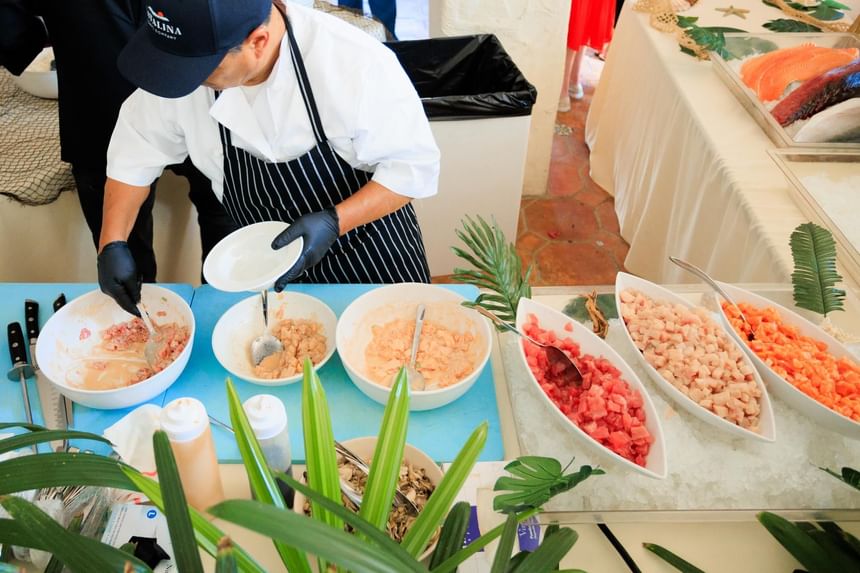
[
  {"x": 440, "y": 432},
  {"x": 12, "y": 296}
]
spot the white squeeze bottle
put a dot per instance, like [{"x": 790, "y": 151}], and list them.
[
  {"x": 187, "y": 426},
  {"x": 268, "y": 419}
]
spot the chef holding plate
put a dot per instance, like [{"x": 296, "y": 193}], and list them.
[{"x": 294, "y": 116}]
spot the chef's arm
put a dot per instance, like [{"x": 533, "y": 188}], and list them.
[
  {"x": 121, "y": 205},
  {"x": 369, "y": 203}
]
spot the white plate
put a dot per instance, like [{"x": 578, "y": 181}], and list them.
[
  {"x": 244, "y": 260},
  {"x": 767, "y": 426},
  {"x": 550, "y": 319},
  {"x": 243, "y": 322},
  {"x": 60, "y": 346},
  {"x": 811, "y": 407}
]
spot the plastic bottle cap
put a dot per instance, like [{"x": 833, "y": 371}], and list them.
[
  {"x": 266, "y": 414},
  {"x": 184, "y": 419}
]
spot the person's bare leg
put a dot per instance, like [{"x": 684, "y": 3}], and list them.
[
  {"x": 576, "y": 89},
  {"x": 564, "y": 98}
]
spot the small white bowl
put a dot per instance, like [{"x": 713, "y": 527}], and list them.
[
  {"x": 589, "y": 343},
  {"x": 781, "y": 387},
  {"x": 392, "y": 302},
  {"x": 59, "y": 345},
  {"x": 243, "y": 322},
  {"x": 364, "y": 448},
  {"x": 767, "y": 426},
  {"x": 38, "y": 81},
  {"x": 244, "y": 260}
]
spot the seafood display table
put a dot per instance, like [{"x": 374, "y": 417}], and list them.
[
  {"x": 688, "y": 166},
  {"x": 711, "y": 473}
]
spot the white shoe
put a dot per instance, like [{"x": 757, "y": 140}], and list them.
[
  {"x": 576, "y": 91},
  {"x": 564, "y": 104}
]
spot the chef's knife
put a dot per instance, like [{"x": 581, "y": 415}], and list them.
[
  {"x": 20, "y": 369},
  {"x": 70, "y": 419},
  {"x": 50, "y": 399}
]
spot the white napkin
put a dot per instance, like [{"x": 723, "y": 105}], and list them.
[{"x": 132, "y": 437}]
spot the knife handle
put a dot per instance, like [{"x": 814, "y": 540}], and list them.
[
  {"x": 31, "y": 315},
  {"x": 17, "y": 350},
  {"x": 60, "y": 302}
]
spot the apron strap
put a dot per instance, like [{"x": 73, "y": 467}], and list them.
[{"x": 305, "y": 85}]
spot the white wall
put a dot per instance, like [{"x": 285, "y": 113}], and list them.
[{"x": 534, "y": 33}]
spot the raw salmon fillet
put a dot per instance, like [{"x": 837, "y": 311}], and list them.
[{"x": 769, "y": 75}]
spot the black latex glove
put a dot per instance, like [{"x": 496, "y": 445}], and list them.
[
  {"x": 118, "y": 276},
  {"x": 319, "y": 231}
]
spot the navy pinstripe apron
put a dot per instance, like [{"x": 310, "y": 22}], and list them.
[{"x": 388, "y": 250}]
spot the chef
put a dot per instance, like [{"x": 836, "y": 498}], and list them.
[{"x": 295, "y": 116}]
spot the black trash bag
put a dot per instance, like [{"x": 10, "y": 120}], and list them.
[{"x": 465, "y": 77}]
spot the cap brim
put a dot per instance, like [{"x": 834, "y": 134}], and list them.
[{"x": 161, "y": 73}]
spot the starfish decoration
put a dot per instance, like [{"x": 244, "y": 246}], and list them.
[{"x": 732, "y": 11}]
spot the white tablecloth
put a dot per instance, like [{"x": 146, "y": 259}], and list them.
[{"x": 687, "y": 165}]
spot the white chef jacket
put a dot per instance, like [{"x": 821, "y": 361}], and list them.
[{"x": 369, "y": 109}]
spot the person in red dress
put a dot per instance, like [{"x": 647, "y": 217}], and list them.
[{"x": 591, "y": 23}]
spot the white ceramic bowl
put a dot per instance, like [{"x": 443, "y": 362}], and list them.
[
  {"x": 364, "y": 448},
  {"x": 767, "y": 425},
  {"x": 391, "y": 302},
  {"x": 37, "y": 80},
  {"x": 589, "y": 343},
  {"x": 783, "y": 388},
  {"x": 59, "y": 344},
  {"x": 243, "y": 322},
  {"x": 244, "y": 260}
]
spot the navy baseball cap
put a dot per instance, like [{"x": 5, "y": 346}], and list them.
[{"x": 182, "y": 42}]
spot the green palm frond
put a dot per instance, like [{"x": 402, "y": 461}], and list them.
[
  {"x": 814, "y": 278},
  {"x": 497, "y": 268}
]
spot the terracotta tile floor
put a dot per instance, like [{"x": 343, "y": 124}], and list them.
[{"x": 571, "y": 233}]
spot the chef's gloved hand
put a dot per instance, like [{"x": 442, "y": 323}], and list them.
[
  {"x": 118, "y": 276},
  {"x": 319, "y": 231}
]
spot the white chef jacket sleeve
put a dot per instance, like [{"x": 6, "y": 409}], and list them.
[
  {"x": 145, "y": 140},
  {"x": 392, "y": 131}
]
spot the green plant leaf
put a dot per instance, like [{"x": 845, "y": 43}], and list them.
[
  {"x": 794, "y": 5},
  {"x": 516, "y": 561},
  {"x": 576, "y": 309},
  {"x": 320, "y": 457},
  {"x": 61, "y": 469},
  {"x": 32, "y": 527},
  {"x": 185, "y": 553},
  {"x": 506, "y": 545},
  {"x": 453, "y": 533},
  {"x": 814, "y": 278},
  {"x": 788, "y": 25},
  {"x": 388, "y": 455},
  {"x": 458, "y": 558},
  {"x": 536, "y": 480},
  {"x": 849, "y": 476},
  {"x": 442, "y": 498},
  {"x": 739, "y": 48},
  {"x": 826, "y": 13},
  {"x": 675, "y": 561},
  {"x": 225, "y": 561},
  {"x": 687, "y": 21},
  {"x": 798, "y": 542},
  {"x": 362, "y": 526},
  {"x": 840, "y": 556},
  {"x": 848, "y": 542},
  {"x": 26, "y": 426},
  {"x": 42, "y": 436},
  {"x": 550, "y": 553},
  {"x": 260, "y": 478},
  {"x": 313, "y": 536},
  {"x": 207, "y": 534},
  {"x": 499, "y": 268}
]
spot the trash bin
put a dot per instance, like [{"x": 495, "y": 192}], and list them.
[{"x": 479, "y": 105}]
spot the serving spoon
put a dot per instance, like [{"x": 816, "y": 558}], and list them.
[
  {"x": 264, "y": 345},
  {"x": 560, "y": 361},
  {"x": 691, "y": 268},
  {"x": 150, "y": 350}
]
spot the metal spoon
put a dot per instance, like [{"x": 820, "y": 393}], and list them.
[
  {"x": 416, "y": 379},
  {"x": 689, "y": 267},
  {"x": 265, "y": 344},
  {"x": 400, "y": 498},
  {"x": 150, "y": 351},
  {"x": 560, "y": 361}
]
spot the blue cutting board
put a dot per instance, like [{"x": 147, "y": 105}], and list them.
[
  {"x": 12, "y": 296},
  {"x": 440, "y": 433}
]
